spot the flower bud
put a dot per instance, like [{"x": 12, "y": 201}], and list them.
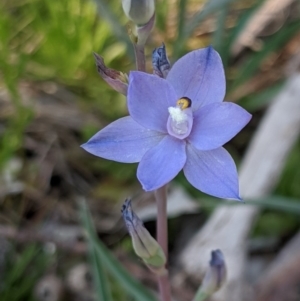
[
  {"x": 214, "y": 277},
  {"x": 116, "y": 79},
  {"x": 139, "y": 11},
  {"x": 160, "y": 61},
  {"x": 144, "y": 245}
]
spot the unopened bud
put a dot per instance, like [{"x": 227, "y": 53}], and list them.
[
  {"x": 139, "y": 11},
  {"x": 116, "y": 79},
  {"x": 144, "y": 245},
  {"x": 160, "y": 61},
  {"x": 214, "y": 277}
]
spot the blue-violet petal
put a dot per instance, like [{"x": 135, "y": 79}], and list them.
[
  {"x": 148, "y": 99},
  {"x": 200, "y": 76},
  {"x": 162, "y": 163},
  {"x": 217, "y": 123},
  {"x": 213, "y": 172},
  {"x": 124, "y": 140}
]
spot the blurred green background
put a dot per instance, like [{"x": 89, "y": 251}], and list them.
[{"x": 52, "y": 100}]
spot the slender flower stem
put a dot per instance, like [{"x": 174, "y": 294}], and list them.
[
  {"x": 162, "y": 238},
  {"x": 164, "y": 287},
  {"x": 139, "y": 43},
  {"x": 140, "y": 61},
  {"x": 162, "y": 226}
]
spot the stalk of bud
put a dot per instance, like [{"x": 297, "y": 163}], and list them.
[
  {"x": 116, "y": 79},
  {"x": 144, "y": 31},
  {"x": 139, "y": 11},
  {"x": 144, "y": 245},
  {"x": 214, "y": 277}
]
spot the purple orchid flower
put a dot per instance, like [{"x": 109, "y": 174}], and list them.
[{"x": 180, "y": 122}]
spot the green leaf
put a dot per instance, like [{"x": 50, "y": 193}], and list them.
[{"x": 131, "y": 285}]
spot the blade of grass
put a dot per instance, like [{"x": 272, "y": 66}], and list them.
[
  {"x": 236, "y": 31},
  {"x": 100, "y": 281},
  {"x": 131, "y": 285},
  {"x": 211, "y": 6},
  {"x": 274, "y": 202},
  {"x": 21, "y": 274},
  {"x": 118, "y": 30},
  {"x": 99, "y": 277},
  {"x": 181, "y": 22},
  {"x": 162, "y": 9},
  {"x": 21, "y": 264},
  {"x": 218, "y": 36},
  {"x": 279, "y": 203},
  {"x": 261, "y": 99},
  {"x": 278, "y": 40}
]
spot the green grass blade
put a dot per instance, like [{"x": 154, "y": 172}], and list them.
[
  {"x": 100, "y": 281},
  {"x": 256, "y": 101},
  {"x": 275, "y": 42},
  {"x": 162, "y": 9},
  {"x": 211, "y": 6},
  {"x": 237, "y": 29},
  {"x": 22, "y": 272},
  {"x": 181, "y": 23},
  {"x": 99, "y": 277},
  {"x": 114, "y": 23},
  {"x": 131, "y": 285},
  {"x": 273, "y": 202},
  {"x": 218, "y": 36},
  {"x": 279, "y": 203},
  {"x": 21, "y": 264}
]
